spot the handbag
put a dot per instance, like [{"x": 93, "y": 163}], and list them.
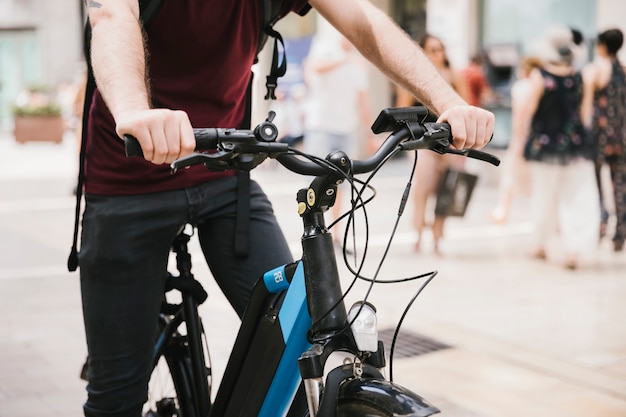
[{"x": 454, "y": 192}]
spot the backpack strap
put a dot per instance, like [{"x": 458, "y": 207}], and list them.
[
  {"x": 279, "y": 65},
  {"x": 148, "y": 10},
  {"x": 72, "y": 261},
  {"x": 270, "y": 13}
]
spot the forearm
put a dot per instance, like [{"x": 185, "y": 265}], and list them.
[
  {"x": 118, "y": 57},
  {"x": 525, "y": 97},
  {"x": 520, "y": 130},
  {"x": 383, "y": 43}
]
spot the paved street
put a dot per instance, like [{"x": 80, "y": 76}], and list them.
[{"x": 526, "y": 338}]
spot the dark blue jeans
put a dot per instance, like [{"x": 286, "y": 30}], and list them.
[{"x": 123, "y": 265}]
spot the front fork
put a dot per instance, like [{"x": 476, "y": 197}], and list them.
[
  {"x": 361, "y": 340},
  {"x": 321, "y": 397},
  {"x": 356, "y": 386}
]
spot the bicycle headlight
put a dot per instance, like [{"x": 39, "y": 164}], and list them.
[{"x": 364, "y": 327}]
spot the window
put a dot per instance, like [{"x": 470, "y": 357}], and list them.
[
  {"x": 411, "y": 16},
  {"x": 19, "y": 67}
]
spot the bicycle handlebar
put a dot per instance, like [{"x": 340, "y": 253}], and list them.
[{"x": 245, "y": 149}]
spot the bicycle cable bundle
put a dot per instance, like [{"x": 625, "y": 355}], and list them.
[{"x": 359, "y": 202}]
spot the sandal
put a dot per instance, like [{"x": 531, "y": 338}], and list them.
[
  {"x": 497, "y": 216},
  {"x": 571, "y": 262}
]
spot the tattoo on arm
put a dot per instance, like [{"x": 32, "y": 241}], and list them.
[{"x": 92, "y": 3}]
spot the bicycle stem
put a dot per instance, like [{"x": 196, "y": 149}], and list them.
[{"x": 324, "y": 294}]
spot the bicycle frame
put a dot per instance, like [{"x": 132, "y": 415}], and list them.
[{"x": 290, "y": 304}]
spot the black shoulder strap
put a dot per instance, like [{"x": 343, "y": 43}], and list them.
[
  {"x": 72, "y": 261},
  {"x": 148, "y": 10},
  {"x": 270, "y": 13}
]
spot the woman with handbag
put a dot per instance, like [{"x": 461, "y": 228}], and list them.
[
  {"x": 560, "y": 154},
  {"x": 432, "y": 166}
]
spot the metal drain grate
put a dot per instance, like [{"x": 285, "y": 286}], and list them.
[{"x": 409, "y": 344}]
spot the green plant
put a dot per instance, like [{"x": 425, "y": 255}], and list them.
[
  {"x": 36, "y": 101},
  {"x": 50, "y": 109}
]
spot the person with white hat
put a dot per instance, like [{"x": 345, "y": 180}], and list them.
[{"x": 560, "y": 153}]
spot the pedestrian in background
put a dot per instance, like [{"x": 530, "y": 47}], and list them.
[
  {"x": 430, "y": 165},
  {"x": 605, "y": 113},
  {"x": 515, "y": 176},
  {"x": 337, "y": 105},
  {"x": 560, "y": 153},
  {"x": 480, "y": 92}
]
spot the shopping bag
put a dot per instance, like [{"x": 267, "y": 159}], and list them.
[{"x": 454, "y": 192}]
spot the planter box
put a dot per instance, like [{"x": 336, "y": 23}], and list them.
[{"x": 39, "y": 129}]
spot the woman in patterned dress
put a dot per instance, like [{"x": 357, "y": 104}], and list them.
[
  {"x": 605, "y": 114},
  {"x": 560, "y": 154}
]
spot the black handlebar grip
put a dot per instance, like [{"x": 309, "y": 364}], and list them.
[
  {"x": 206, "y": 139},
  {"x": 133, "y": 148}
]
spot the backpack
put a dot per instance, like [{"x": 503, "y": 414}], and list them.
[{"x": 270, "y": 14}]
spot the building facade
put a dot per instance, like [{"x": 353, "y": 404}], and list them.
[{"x": 40, "y": 45}]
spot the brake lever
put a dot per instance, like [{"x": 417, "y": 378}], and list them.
[
  {"x": 440, "y": 143},
  {"x": 472, "y": 153},
  {"x": 212, "y": 159}
]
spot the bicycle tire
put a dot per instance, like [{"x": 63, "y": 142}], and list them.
[
  {"x": 359, "y": 409},
  {"x": 371, "y": 397},
  {"x": 170, "y": 390}
]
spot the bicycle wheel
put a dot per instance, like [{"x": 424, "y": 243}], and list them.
[{"x": 170, "y": 392}]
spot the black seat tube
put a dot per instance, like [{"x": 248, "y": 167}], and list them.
[
  {"x": 194, "y": 334},
  {"x": 324, "y": 295},
  {"x": 194, "y": 327}
]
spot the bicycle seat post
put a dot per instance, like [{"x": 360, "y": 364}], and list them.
[{"x": 183, "y": 258}]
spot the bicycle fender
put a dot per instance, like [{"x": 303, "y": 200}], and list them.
[{"x": 371, "y": 394}]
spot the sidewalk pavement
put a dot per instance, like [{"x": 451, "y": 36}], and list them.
[{"x": 525, "y": 338}]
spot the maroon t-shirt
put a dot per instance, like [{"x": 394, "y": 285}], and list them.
[{"x": 201, "y": 52}]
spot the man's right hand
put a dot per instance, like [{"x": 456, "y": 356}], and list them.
[{"x": 164, "y": 135}]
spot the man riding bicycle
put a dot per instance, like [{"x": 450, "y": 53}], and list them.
[{"x": 192, "y": 67}]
